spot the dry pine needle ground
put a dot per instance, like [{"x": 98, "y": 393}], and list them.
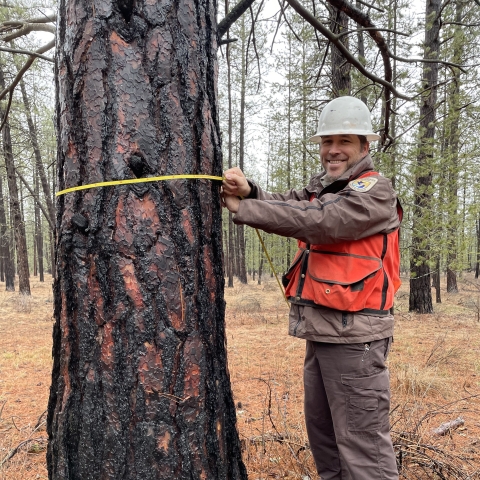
[{"x": 434, "y": 366}]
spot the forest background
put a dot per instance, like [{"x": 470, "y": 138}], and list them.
[
  {"x": 275, "y": 75},
  {"x": 274, "y": 78}
]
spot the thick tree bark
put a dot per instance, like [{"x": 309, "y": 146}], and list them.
[
  {"x": 15, "y": 207},
  {"x": 140, "y": 385},
  {"x": 8, "y": 266},
  {"x": 420, "y": 289}
]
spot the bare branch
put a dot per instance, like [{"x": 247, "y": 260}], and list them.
[
  {"x": 371, "y": 6},
  {"x": 25, "y": 30},
  {"x": 227, "y": 41},
  {"x": 427, "y": 60},
  {"x": 27, "y": 52},
  {"x": 235, "y": 13},
  {"x": 334, "y": 39},
  {"x": 47, "y": 18},
  {"x": 462, "y": 24},
  {"x": 366, "y": 29},
  {"x": 35, "y": 196},
  {"x": 27, "y": 65},
  {"x": 282, "y": 12}
]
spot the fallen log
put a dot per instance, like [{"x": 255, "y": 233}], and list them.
[{"x": 447, "y": 427}]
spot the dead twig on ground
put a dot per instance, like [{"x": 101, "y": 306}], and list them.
[{"x": 15, "y": 450}]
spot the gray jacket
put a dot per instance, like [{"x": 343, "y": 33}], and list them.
[{"x": 337, "y": 213}]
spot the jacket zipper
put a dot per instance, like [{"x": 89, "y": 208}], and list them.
[{"x": 296, "y": 326}]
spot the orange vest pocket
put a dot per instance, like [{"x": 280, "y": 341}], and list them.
[{"x": 342, "y": 281}]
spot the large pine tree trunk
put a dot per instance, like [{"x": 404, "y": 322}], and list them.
[
  {"x": 420, "y": 283},
  {"x": 140, "y": 386}
]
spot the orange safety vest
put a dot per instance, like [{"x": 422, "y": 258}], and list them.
[{"x": 351, "y": 276}]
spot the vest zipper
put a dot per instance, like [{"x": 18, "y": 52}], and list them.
[
  {"x": 385, "y": 277},
  {"x": 303, "y": 272}
]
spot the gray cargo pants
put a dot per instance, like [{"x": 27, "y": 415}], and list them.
[{"x": 347, "y": 402}]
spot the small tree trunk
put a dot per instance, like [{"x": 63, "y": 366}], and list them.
[
  {"x": 38, "y": 156},
  {"x": 242, "y": 268},
  {"x": 7, "y": 259},
  {"x": 38, "y": 233},
  {"x": 477, "y": 264},
  {"x": 341, "y": 79},
  {"x": 420, "y": 289},
  {"x": 436, "y": 280},
  {"x": 231, "y": 255},
  {"x": 18, "y": 224}
]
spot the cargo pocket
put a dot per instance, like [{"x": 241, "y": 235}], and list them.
[
  {"x": 362, "y": 413},
  {"x": 367, "y": 391}
]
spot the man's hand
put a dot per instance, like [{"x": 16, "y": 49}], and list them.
[
  {"x": 232, "y": 202},
  {"x": 235, "y": 183}
]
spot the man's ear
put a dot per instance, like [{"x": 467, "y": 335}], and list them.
[{"x": 366, "y": 148}]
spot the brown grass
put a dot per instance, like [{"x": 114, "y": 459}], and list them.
[{"x": 434, "y": 366}]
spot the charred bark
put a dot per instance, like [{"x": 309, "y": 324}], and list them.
[{"x": 140, "y": 385}]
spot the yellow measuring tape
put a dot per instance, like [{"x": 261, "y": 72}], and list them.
[
  {"x": 136, "y": 180},
  {"x": 160, "y": 179}
]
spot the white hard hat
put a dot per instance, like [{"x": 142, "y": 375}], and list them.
[{"x": 345, "y": 116}]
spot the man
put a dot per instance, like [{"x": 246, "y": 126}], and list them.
[{"x": 340, "y": 286}]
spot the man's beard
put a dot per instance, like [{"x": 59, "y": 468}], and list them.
[{"x": 329, "y": 179}]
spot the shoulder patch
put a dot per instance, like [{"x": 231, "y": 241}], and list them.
[{"x": 363, "y": 184}]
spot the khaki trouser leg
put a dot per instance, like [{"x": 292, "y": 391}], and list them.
[{"x": 347, "y": 401}]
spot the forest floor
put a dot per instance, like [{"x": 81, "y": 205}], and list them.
[{"x": 434, "y": 368}]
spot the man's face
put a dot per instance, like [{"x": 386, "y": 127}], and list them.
[{"x": 338, "y": 153}]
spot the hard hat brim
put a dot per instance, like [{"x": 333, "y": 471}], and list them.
[{"x": 370, "y": 136}]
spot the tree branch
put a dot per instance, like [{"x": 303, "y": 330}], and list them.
[
  {"x": 366, "y": 29},
  {"x": 27, "y": 52},
  {"x": 371, "y": 6},
  {"x": 48, "y": 18},
  {"x": 35, "y": 197},
  {"x": 25, "y": 30},
  {"x": 235, "y": 13},
  {"x": 347, "y": 54},
  {"x": 27, "y": 65}
]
